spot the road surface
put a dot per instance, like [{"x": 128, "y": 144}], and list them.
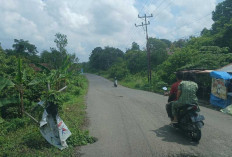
[{"x": 134, "y": 123}]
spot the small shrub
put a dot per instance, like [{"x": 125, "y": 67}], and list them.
[
  {"x": 118, "y": 70},
  {"x": 2, "y": 140},
  {"x": 137, "y": 85},
  {"x": 14, "y": 124},
  {"x": 9, "y": 111},
  {"x": 76, "y": 90},
  {"x": 66, "y": 97},
  {"x": 79, "y": 137}
]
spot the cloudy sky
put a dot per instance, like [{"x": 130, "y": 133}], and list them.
[{"x": 92, "y": 23}]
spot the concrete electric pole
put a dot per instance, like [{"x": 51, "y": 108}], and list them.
[{"x": 147, "y": 45}]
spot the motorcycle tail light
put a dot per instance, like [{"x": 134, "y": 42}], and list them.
[{"x": 194, "y": 107}]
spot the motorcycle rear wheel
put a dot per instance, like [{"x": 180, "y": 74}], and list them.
[{"x": 196, "y": 135}]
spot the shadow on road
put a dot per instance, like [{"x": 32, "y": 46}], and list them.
[{"x": 170, "y": 134}]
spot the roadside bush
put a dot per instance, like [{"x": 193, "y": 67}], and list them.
[
  {"x": 75, "y": 90},
  {"x": 9, "y": 111},
  {"x": 118, "y": 70},
  {"x": 158, "y": 86},
  {"x": 157, "y": 83},
  {"x": 1, "y": 140},
  {"x": 79, "y": 137},
  {"x": 12, "y": 125}
]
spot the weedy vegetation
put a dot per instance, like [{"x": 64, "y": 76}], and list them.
[{"x": 25, "y": 79}]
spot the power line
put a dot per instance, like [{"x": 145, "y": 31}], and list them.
[
  {"x": 131, "y": 31},
  {"x": 158, "y": 6},
  {"x": 187, "y": 36},
  {"x": 186, "y": 24},
  {"x": 148, "y": 6},
  {"x": 169, "y": 4}
]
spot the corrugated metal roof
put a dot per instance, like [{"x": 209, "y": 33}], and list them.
[
  {"x": 227, "y": 68},
  {"x": 197, "y": 71}
]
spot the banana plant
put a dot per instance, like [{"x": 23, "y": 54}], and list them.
[
  {"x": 55, "y": 80},
  {"x": 3, "y": 84},
  {"x": 20, "y": 79},
  {"x": 18, "y": 85}
]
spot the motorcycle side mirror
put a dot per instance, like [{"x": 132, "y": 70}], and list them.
[
  {"x": 165, "y": 88},
  {"x": 165, "y": 91}
]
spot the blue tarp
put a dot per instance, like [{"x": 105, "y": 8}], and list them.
[
  {"x": 221, "y": 75},
  {"x": 220, "y": 102},
  {"x": 215, "y": 100}
]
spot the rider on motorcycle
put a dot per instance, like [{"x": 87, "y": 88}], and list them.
[
  {"x": 186, "y": 94},
  {"x": 173, "y": 93}
]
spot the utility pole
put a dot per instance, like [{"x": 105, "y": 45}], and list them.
[{"x": 147, "y": 45}]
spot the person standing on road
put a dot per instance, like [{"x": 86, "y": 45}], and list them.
[
  {"x": 186, "y": 94},
  {"x": 173, "y": 94}
]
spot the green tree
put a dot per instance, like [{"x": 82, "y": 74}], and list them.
[
  {"x": 18, "y": 83},
  {"x": 103, "y": 59},
  {"x": 56, "y": 56},
  {"x": 224, "y": 37},
  {"x": 61, "y": 42},
  {"x": 94, "y": 59},
  {"x": 136, "y": 61},
  {"x": 24, "y": 48},
  {"x": 119, "y": 70},
  {"x": 158, "y": 49},
  {"x": 222, "y": 15},
  {"x": 135, "y": 47},
  {"x": 180, "y": 43}
]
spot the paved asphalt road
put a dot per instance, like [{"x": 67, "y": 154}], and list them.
[{"x": 133, "y": 123}]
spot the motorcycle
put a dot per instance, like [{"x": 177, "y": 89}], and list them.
[
  {"x": 115, "y": 82},
  {"x": 189, "y": 120}
]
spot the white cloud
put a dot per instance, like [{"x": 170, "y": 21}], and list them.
[
  {"x": 72, "y": 19},
  {"x": 89, "y": 23}
]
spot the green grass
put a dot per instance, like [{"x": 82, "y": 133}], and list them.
[{"x": 21, "y": 137}]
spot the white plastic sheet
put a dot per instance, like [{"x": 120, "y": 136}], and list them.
[{"x": 54, "y": 130}]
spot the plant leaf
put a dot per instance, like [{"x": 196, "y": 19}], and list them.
[
  {"x": 43, "y": 68},
  {"x": 5, "y": 83},
  {"x": 5, "y": 101},
  {"x": 19, "y": 76},
  {"x": 37, "y": 80}
]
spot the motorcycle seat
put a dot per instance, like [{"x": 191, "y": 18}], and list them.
[{"x": 187, "y": 106}]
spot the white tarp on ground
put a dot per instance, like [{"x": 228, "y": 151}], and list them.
[{"x": 54, "y": 131}]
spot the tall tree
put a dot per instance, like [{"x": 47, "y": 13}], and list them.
[
  {"x": 222, "y": 15},
  {"x": 94, "y": 59},
  {"x": 158, "y": 49},
  {"x": 135, "y": 47},
  {"x": 24, "y": 48},
  {"x": 136, "y": 61},
  {"x": 61, "y": 42},
  {"x": 103, "y": 59}
]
